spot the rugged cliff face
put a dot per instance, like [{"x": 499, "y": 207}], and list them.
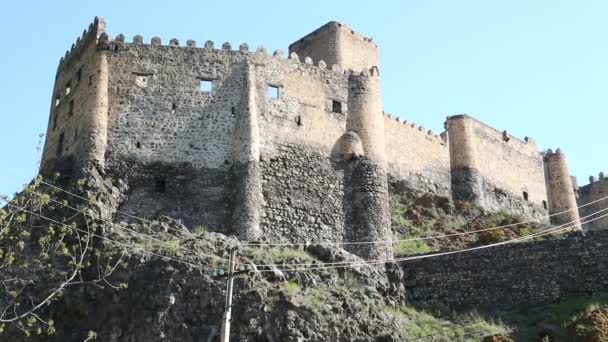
[{"x": 155, "y": 280}]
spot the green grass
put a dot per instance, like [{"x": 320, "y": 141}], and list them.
[
  {"x": 200, "y": 229},
  {"x": 276, "y": 255},
  {"x": 410, "y": 247}
]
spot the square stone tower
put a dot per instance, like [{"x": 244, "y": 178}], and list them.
[{"x": 335, "y": 43}]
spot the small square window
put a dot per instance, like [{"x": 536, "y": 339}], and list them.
[
  {"x": 273, "y": 92},
  {"x": 336, "y": 107},
  {"x": 205, "y": 85}
]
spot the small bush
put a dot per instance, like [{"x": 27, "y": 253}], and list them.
[
  {"x": 292, "y": 288},
  {"x": 410, "y": 247}
]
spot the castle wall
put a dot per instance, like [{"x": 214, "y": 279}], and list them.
[
  {"x": 495, "y": 169},
  {"x": 417, "y": 157},
  {"x": 335, "y": 43},
  {"x": 594, "y": 191},
  {"x": 76, "y": 127},
  {"x": 538, "y": 272}
]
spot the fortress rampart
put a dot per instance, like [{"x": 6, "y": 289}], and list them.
[
  {"x": 592, "y": 192},
  {"x": 270, "y": 147}
]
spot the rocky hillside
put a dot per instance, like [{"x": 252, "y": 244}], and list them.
[{"x": 110, "y": 280}]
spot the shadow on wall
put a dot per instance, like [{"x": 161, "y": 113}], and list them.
[{"x": 176, "y": 131}]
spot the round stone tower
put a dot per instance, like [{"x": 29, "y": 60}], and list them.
[
  {"x": 560, "y": 191},
  {"x": 371, "y": 219}
]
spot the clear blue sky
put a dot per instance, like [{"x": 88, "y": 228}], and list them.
[{"x": 535, "y": 68}]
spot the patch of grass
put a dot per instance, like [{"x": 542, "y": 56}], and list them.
[
  {"x": 266, "y": 255},
  {"x": 291, "y": 289},
  {"x": 398, "y": 212},
  {"x": 200, "y": 229},
  {"x": 464, "y": 327},
  {"x": 410, "y": 247}
]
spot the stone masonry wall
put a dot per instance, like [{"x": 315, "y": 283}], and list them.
[
  {"x": 336, "y": 43},
  {"x": 501, "y": 169},
  {"x": 597, "y": 189},
  {"x": 416, "y": 156},
  {"x": 529, "y": 273},
  {"x": 72, "y": 130}
]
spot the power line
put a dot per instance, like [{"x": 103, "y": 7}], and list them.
[
  {"x": 422, "y": 238},
  {"x": 352, "y": 243},
  {"x": 131, "y": 230},
  {"x": 346, "y": 264},
  {"x": 574, "y": 222},
  {"x": 116, "y": 242}
]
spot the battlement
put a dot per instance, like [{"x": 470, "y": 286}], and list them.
[
  {"x": 330, "y": 26},
  {"x": 413, "y": 128},
  {"x": 527, "y": 142},
  {"x": 89, "y": 36},
  {"x": 600, "y": 178}
]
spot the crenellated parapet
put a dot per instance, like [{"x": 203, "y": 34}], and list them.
[
  {"x": 89, "y": 37},
  {"x": 419, "y": 130}
]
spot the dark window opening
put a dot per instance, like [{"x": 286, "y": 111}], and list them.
[
  {"x": 545, "y": 205},
  {"x": 336, "y": 107},
  {"x": 68, "y": 89},
  {"x": 525, "y": 195},
  {"x": 138, "y": 144},
  {"x": 160, "y": 185},
  {"x": 71, "y": 108},
  {"x": 55, "y": 115},
  {"x": 299, "y": 121},
  {"x": 173, "y": 106},
  {"x": 233, "y": 110},
  {"x": 60, "y": 144},
  {"x": 91, "y": 80},
  {"x": 79, "y": 75},
  {"x": 273, "y": 92},
  {"x": 205, "y": 85}
]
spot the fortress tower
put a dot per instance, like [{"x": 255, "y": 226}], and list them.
[
  {"x": 562, "y": 201},
  {"x": 271, "y": 147}
]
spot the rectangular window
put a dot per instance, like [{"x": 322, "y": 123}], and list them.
[
  {"x": 545, "y": 205},
  {"x": 71, "y": 108},
  {"x": 57, "y": 100},
  {"x": 79, "y": 75},
  {"x": 273, "y": 92},
  {"x": 68, "y": 89},
  {"x": 60, "y": 144},
  {"x": 525, "y": 195},
  {"x": 205, "y": 85},
  {"x": 336, "y": 107}
]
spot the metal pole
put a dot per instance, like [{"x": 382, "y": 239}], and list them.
[{"x": 228, "y": 309}]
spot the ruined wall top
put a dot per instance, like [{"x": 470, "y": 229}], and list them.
[{"x": 89, "y": 35}]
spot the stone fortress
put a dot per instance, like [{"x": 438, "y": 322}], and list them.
[{"x": 276, "y": 148}]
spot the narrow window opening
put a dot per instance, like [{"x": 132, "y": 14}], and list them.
[
  {"x": 205, "y": 85},
  {"x": 160, "y": 185},
  {"x": 60, "y": 144},
  {"x": 68, "y": 89},
  {"x": 55, "y": 116},
  {"x": 138, "y": 144},
  {"x": 76, "y": 134},
  {"x": 273, "y": 92},
  {"x": 233, "y": 110},
  {"x": 57, "y": 101},
  {"x": 299, "y": 120},
  {"x": 336, "y": 107},
  {"x": 526, "y": 195},
  {"x": 71, "y": 108},
  {"x": 79, "y": 76},
  {"x": 91, "y": 80},
  {"x": 545, "y": 205}
]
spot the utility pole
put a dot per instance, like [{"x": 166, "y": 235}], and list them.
[{"x": 228, "y": 309}]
